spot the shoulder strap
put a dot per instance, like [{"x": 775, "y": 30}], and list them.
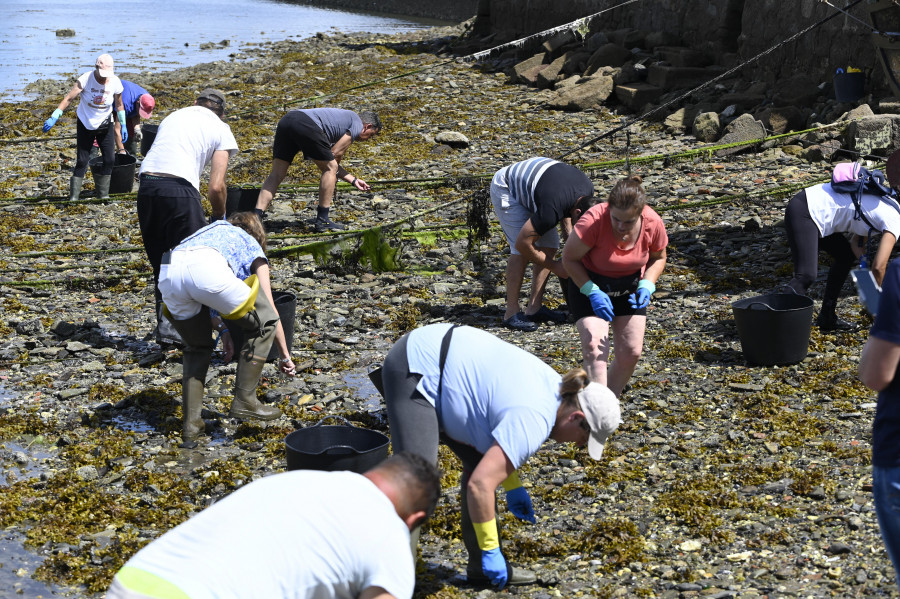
[{"x": 445, "y": 347}]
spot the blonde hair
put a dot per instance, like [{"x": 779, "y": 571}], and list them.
[
  {"x": 572, "y": 382},
  {"x": 249, "y": 222},
  {"x": 628, "y": 195}
]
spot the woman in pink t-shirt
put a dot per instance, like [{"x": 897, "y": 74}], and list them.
[{"x": 614, "y": 257}]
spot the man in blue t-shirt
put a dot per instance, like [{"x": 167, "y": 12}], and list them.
[
  {"x": 878, "y": 371},
  {"x": 139, "y": 104},
  {"x": 323, "y": 136}
]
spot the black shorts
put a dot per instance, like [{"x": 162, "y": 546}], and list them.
[
  {"x": 296, "y": 132},
  {"x": 618, "y": 290}
]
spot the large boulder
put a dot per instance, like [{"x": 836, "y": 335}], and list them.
[
  {"x": 878, "y": 135},
  {"x": 521, "y": 68},
  {"x": 637, "y": 94},
  {"x": 588, "y": 92},
  {"x": 782, "y": 119},
  {"x": 706, "y": 127},
  {"x": 744, "y": 128},
  {"x": 610, "y": 55},
  {"x": 547, "y": 76},
  {"x": 680, "y": 120}
]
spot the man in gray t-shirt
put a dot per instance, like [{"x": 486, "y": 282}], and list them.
[{"x": 323, "y": 136}]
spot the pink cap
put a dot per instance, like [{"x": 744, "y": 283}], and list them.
[{"x": 146, "y": 106}]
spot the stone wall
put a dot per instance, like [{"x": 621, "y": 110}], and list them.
[
  {"x": 730, "y": 30},
  {"x": 444, "y": 10}
]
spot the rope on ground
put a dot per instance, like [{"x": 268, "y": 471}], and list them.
[{"x": 703, "y": 85}]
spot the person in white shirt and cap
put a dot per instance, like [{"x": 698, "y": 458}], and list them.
[{"x": 99, "y": 90}]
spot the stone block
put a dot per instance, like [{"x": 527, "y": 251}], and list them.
[
  {"x": 878, "y": 135},
  {"x": 530, "y": 77},
  {"x": 558, "y": 41},
  {"x": 681, "y": 120},
  {"x": 782, "y": 119},
  {"x": 680, "y": 77},
  {"x": 576, "y": 62},
  {"x": 610, "y": 55},
  {"x": 637, "y": 94},
  {"x": 588, "y": 92},
  {"x": 547, "y": 76},
  {"x": 524, "y": 66}
]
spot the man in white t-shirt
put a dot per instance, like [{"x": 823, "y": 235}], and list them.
[
  {"x": 168, "y": 202},
  {"x": 99, "y": 90},
  {"x": 301, "y": 534}
]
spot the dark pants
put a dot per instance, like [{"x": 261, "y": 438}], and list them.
[
  {"x": 805, "y": 242},
  {"x": 169, "y": 210},
  {"x": 84, "y": 141}
]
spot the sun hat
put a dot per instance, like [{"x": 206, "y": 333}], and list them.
[
  {"x": 104, "y": 65},
  {"x": 603, "y": 414}
]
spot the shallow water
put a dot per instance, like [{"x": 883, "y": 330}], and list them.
[{"x": 158, "y": 36}]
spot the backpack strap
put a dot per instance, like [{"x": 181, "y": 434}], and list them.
[{"x": 445, "y": 347}]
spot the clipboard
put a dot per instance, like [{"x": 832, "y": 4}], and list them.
[{"x": 869, "y": 290}]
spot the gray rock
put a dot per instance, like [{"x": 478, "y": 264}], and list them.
[
  {"x": 610, "y": 55},
  {"x": 875, "y": 134},
  {"x": 516, "y": 76},
  {"x": 743, "y": 128},
  {"x": 588, "y": 92},
  {"x": 87, "y": 473},
  {"x": 454, "y": 139},
  {"x": 706, "y": 127},
  {"x": 65, "y": 32}
]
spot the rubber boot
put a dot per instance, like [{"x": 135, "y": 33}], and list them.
[
  {"x": 198, "y": 347},
  {"x": 259, "y": 332},
  {"x": 75, "y": 187},
  {"x": 828, "y": 319},
  {"x": 515, "y": 576},
  {"x": 103, "y": 186}
]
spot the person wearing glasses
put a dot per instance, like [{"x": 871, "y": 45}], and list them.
[
  {"x": 99, "y": 91},
  {"x": 493, "y": 404},
  {"x": 168, "y": 201},
  {"x": 614, "y": 257}
]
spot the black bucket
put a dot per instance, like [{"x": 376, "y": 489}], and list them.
[
  {"x": 335, "y": 447},
  {"x": 122, "y": 174},
  {"x": 240, "y": 199},
  {"x": 848, "y": 87},
  {"x": 774, "y": 328},
  {"x": 286, "y": 305},
  {"x": 148, "y": 133}
]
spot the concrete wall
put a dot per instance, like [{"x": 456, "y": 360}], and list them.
[{"x": 444, "y": 10}]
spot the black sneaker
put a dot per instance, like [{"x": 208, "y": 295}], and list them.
[
  {"x": 326, "y": 224},
  {"x": 518, "y": 322},
  {"x": 545, "y": 314}
]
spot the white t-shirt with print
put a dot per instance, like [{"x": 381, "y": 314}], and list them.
[
  {"x": 185, "y": 143},
  {"x": 834, "y": 212},
  {"x": 97, "y": 99}
]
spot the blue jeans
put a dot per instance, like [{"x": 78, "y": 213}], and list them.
[{"x": 886, "y": 490}]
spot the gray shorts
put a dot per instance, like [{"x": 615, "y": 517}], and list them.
[{"x": 512, "y": 216}]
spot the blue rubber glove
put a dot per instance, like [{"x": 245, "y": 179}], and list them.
[
  {"x": 121, "y": 115},
  {"x": 600, "y": 302},
  {"x": 519, "y": 503},
  {"x": 48, "y": 124},
  {"x": 640, "y": 298},
  {"x": 493, "y": 565}
]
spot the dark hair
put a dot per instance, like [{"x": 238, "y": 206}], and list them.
[
  {"x": 216, "y": 107},
  {"x": 251, "y": 223},
  {"x": 627, "y": 194},
  {"x": 572, "y": 382},
  {"x": 583, "y": 204},
  {"x": 419, "y": 479},
  {"x": 368, "y": 117}
]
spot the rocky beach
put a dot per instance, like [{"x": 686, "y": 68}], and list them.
[{"x": 726, "y": 479}]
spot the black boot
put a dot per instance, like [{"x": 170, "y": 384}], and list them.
[
  {"x": 828, "y": 319},
  {"x": 198, "y": 348}
]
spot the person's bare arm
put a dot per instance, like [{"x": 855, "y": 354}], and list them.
[
  {"x": 67, "y": 99},
  {"x": 375, "y": 593},
  {"x": 492, "y": 470},
  {"x": 655, "y": 265},
  {"x": 878, "y": 363},
  {"x": 573, "y": 252},
  {"x": 261, "y": 268},
  {"x": 882, "y": 255},
  {"x": 218, "y": 192},
  {"x": 525, "y": 241}
]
